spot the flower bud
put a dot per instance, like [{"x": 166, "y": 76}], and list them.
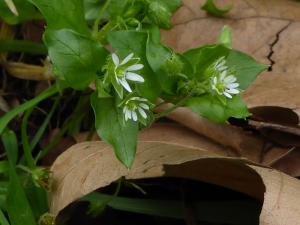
[
  {"x": 159, "y": 14},
  {"x": 134, "y": 10},
  {"x": 47, "y": 219},
  {"x": 173, "y": 65},
  {"x": 41, "y": 177}
]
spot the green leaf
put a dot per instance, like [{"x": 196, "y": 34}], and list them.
[
  {"x": 92, "y": 9},
  {"x": 18, "y": 207},
  {"x": 63, "y": 14},
  {"x": 225, "y": 37},
  {"x": 76, "y": 58},
  {"x": 160, "y": 12},
  {"x": 4, "y": 120},
  {"x": 213, "y": 109},
  {"x": 172, "y": 5},
  {"x": 116, "y": 8},
  {"x": 247, "y": 69},
  {"x": 203, "y": 57},
  {"x": 212, "y": 9},
  {"x": 167, "y": 65},
  {"x": 25, "y": 10},
  {"x": 126, "y": 42},
  {"x": 37, "y": 198},
  {"x": 3, "y": 220},
  {"x": 157, "y": 56},
  {"x": 111, "y": 127}
]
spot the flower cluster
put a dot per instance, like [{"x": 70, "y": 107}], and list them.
[
  {"x": 135, "y": 108},
  {"x": 224, "y": 81}
]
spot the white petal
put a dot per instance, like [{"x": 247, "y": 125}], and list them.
[
  {"x": 142, "y": 112},
  {"x": 128, "y": 114},
  {"x": 126, "y": 60},
  {"x": 135, "y": 67},
  {"x": 229, "y": 79},
  {"x": 125, "y": 85},
  {"x": 125, "y": 109},
  {"x": 134, "y": 77},
  {"x": 233, "y": 91},
  {"x": 227, "y": 94},
  {"x": 115, "y": 59},
  {"x": 221, "y": 68},
  {"x": 144, "y": 106},
  {"x": 220, "y": 62},
  {"x": 134, "y": 116},
  {"x": 223, "y": 75},
  {"x": 139, "y": 99},
  {"x": 232, "y": 85}
]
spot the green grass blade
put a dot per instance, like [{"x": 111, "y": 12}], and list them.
[
  {"x": 232, "y": 212},
  {"x": 4, "y": 120},
  {"x": 17, "y": 204}
]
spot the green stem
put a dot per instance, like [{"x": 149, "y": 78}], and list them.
[
  {"x": 22, "y": 46},
  {"x": 25, "y": 142},
  {"x": 166, "y": 112},
  {"x": 24, "y": 168},
  {"x": 44, "y": 125},
  {"x": 54, "y": 142},
  {"x": 99, "y": 17}
]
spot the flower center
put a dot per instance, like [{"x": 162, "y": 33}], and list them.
[
  {"x": 120, "y": 72},
  {"x": 220, "y": 86}
]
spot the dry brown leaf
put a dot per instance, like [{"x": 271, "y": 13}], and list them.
[
  {"x": 266, "y": 29},
  {"x": 282, "y": 198},
  {"x": 4, "y": 105},
  {"x": 290, "y": 163},
  {"x": 247, "y": 144},
  {"x": 174, "y": 133},
  {"x": 94, "y": 165},
  {"x": 178, "y": 134}
]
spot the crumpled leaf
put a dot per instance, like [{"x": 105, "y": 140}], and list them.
[
  {"x": 103, "y": 168},
  {"x": 156, "y": 159}
]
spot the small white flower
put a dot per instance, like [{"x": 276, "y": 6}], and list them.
[
  {"x": 224, "y": 82},
  {"x": 124, "y": 72},
  {"x": 135, "y": 107}
]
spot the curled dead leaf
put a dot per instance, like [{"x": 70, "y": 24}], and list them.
[
  {"x": 29, "y": 72},
  {"x": 88, "y": 166}
]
